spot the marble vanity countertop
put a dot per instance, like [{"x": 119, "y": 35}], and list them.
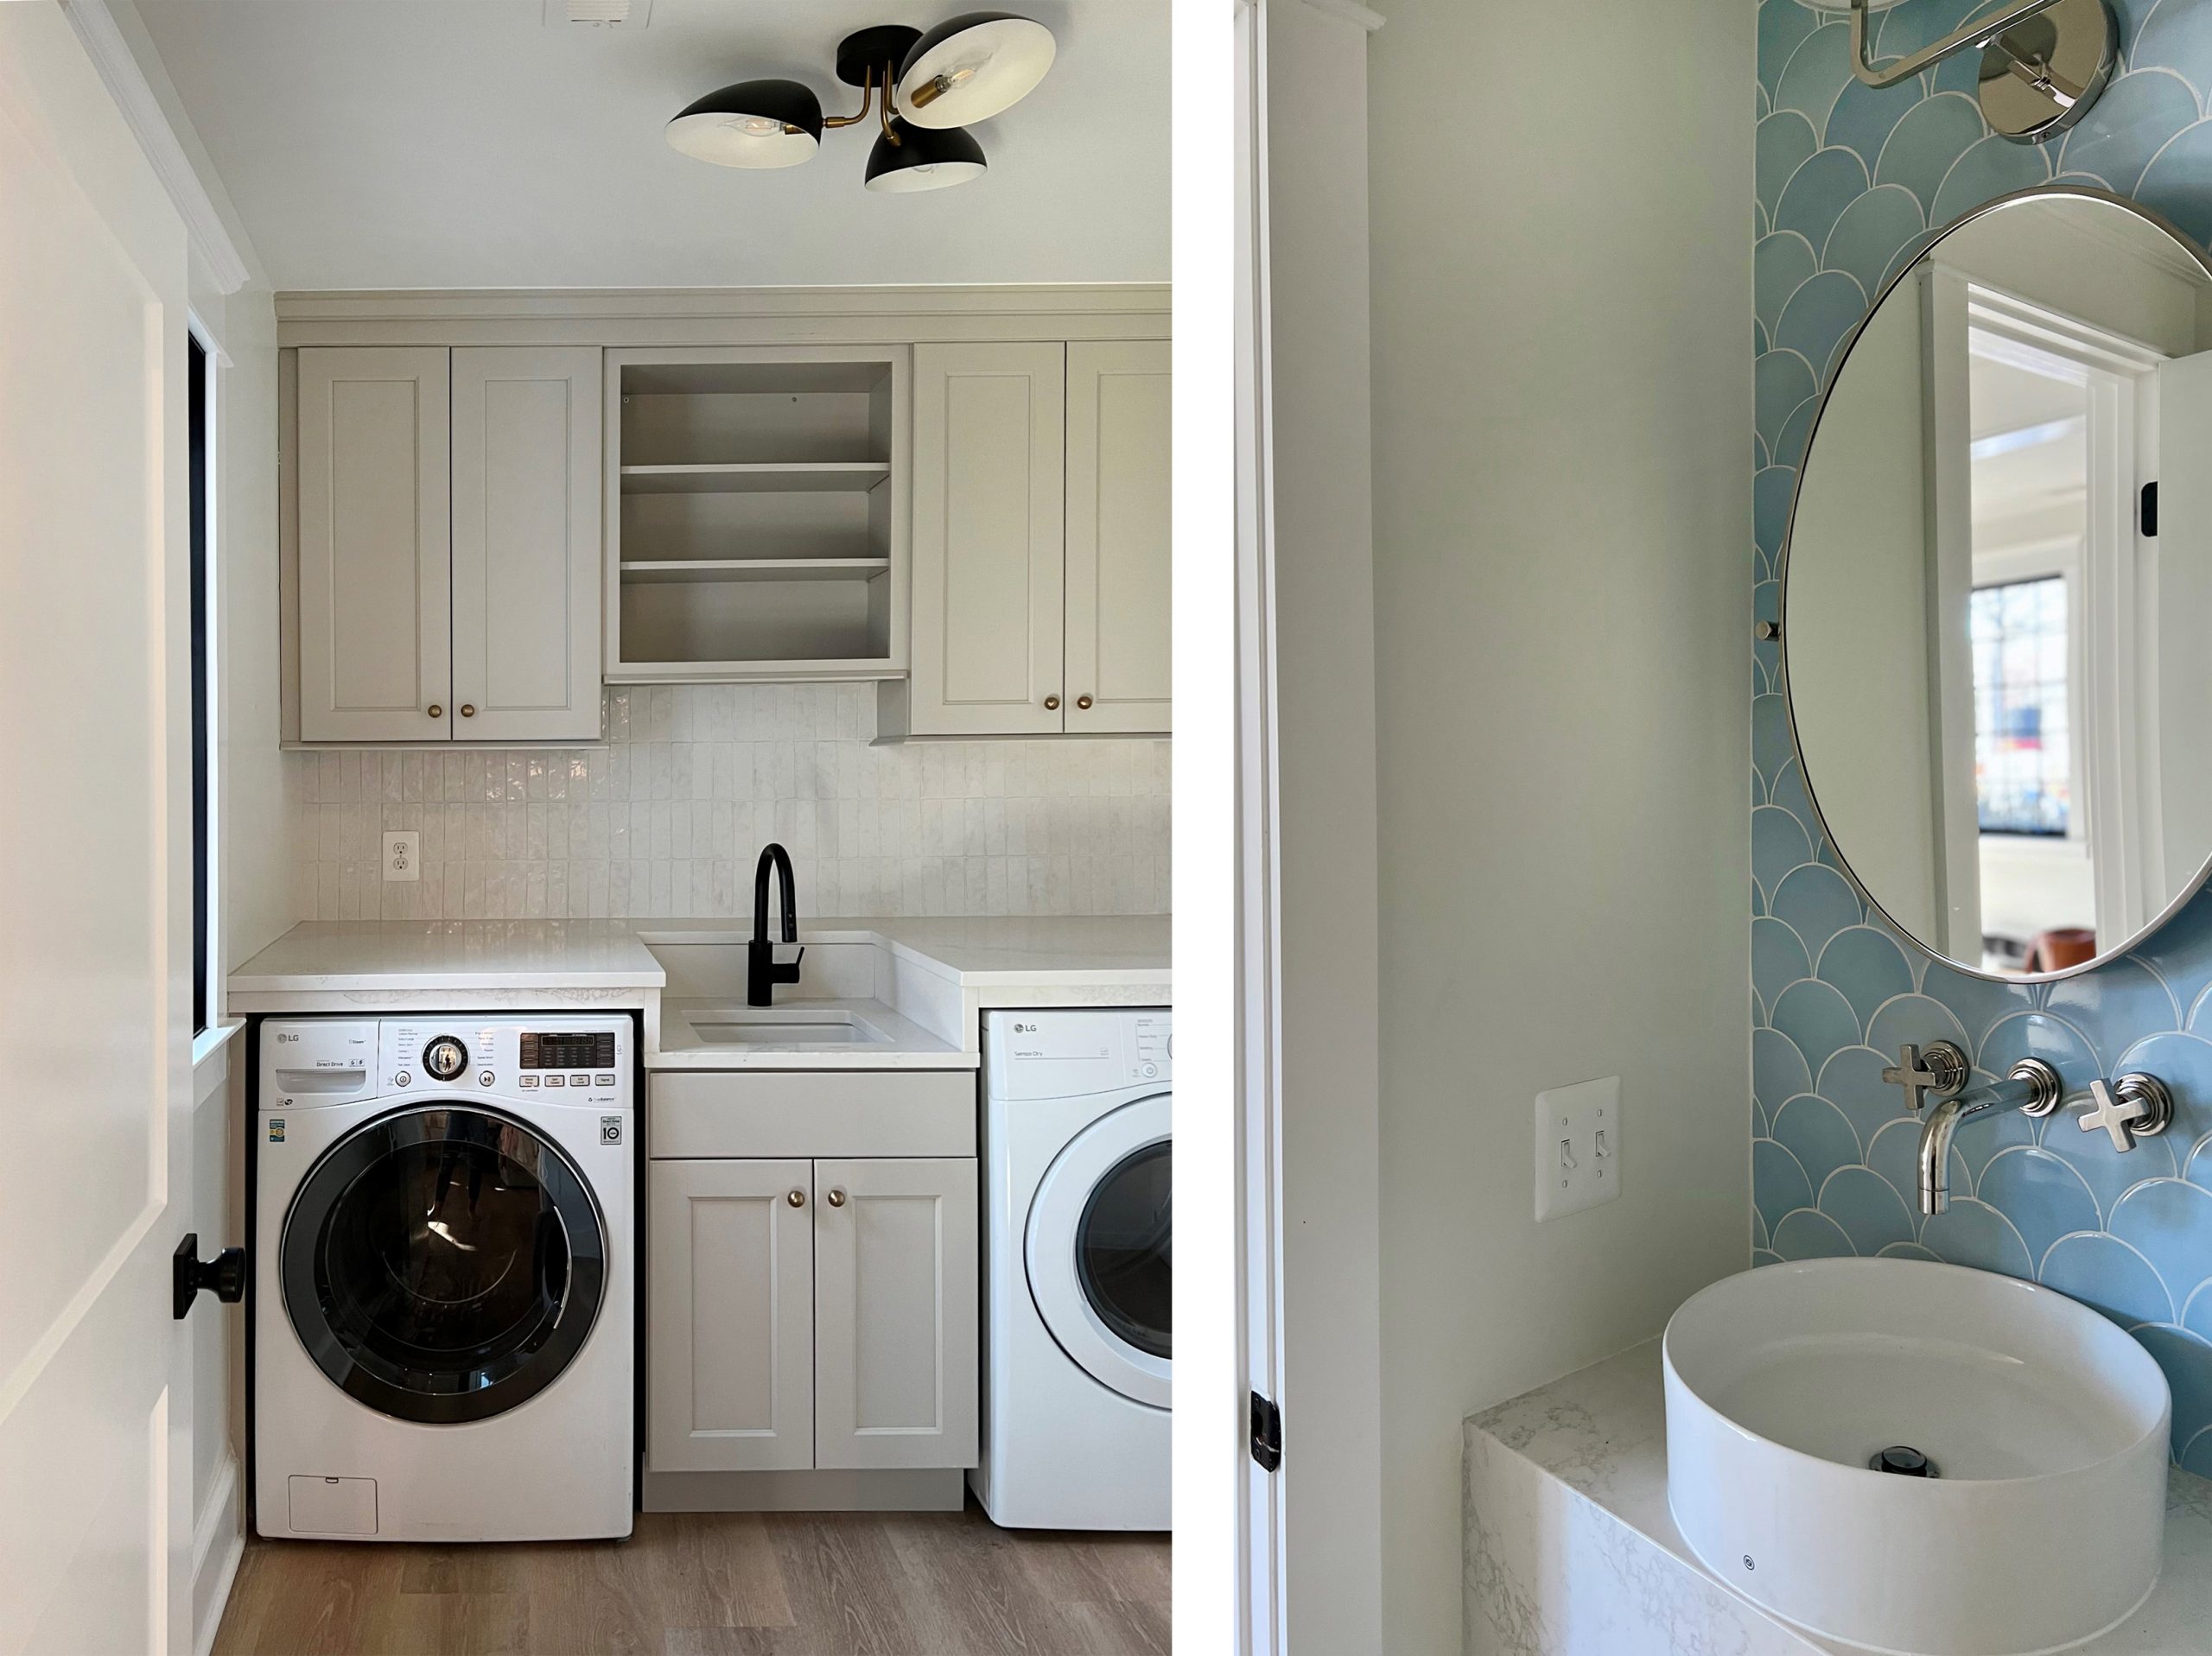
[
  {"x": 461, "y": 965},
  {"x": 1602, "y": 1431}
]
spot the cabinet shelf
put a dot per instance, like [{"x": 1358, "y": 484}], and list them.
[
  {"x": 755, "y": 476},
  {"x": 687, "y": 570}
]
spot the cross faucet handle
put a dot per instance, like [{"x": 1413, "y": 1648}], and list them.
[
  {"x": 2137, "y": 1106},
  {"x": 1940, "y": 1067}
]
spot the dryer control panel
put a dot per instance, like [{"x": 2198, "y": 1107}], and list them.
[{"x": 1064, "y": 1054}]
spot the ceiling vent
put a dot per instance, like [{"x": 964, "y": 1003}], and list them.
[{"x": 626, "y": 15}]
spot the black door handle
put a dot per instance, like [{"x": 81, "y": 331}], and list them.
[{"x": 225, "y": 1275}]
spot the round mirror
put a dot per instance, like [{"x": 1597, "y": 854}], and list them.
[{"x": 1996, "y": 624}]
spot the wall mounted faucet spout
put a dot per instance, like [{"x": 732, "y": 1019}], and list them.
[{"x": 2032, "y": 1087}]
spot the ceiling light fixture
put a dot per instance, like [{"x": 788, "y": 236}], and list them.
[{"x": 932, "y": 86}]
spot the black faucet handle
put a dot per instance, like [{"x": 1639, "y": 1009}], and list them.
[{"x": 787, "y": 972}]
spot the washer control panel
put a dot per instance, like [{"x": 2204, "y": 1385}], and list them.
[
  {"x": 1063, "y": 1054},
  {"x": 580, "y": 1060}
]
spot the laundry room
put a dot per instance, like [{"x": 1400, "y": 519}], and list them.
[{"x": 670, "y": 906}]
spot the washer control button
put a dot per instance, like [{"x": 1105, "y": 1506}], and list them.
[
  {"x": 604, "y": 1081},
  {"x": 401, "y": 1079},
  {"x": 526, "y": 1082},
  {"x": 484, "y": 1080},
  {"x": 445, "y": 1057},
  {"x": 580, "y": 1081},
  {"x": 556, "y": 1081}
]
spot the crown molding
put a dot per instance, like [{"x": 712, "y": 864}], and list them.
[
  {"x": 1351, "y": 11},
  {"x": 143, "y": 112},
  {"x": 717, "y": 304}
]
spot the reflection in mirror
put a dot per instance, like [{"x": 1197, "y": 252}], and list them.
[{"x": 1997, "y": 587}]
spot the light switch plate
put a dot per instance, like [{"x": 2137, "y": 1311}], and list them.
[
  {"x": 402, "y": 857},
  {"x": 1578, "y": 1146}
]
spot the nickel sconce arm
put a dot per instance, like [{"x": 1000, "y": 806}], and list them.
[{"x": 1982, "y": 33}]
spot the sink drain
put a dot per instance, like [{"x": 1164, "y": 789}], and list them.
[{"x": 1902, "y": 1460}]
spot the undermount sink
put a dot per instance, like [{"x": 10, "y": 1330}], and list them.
[
  {"x": 2044, "y": 1426},
  {"x": 784, "y": 1026}
]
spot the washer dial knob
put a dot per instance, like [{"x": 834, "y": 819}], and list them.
[{"x": 445, "y": 1057}]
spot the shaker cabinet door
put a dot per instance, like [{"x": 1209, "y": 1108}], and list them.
[
  {"x": 729, "y": 1316},
  {"x": 988, "y": 560},
  {"x": 896, "y": 1351},
  {"x": 374, "y": 549},
  {"x": 526, "y": 480},
  {"x": 1118, "y": 515}
]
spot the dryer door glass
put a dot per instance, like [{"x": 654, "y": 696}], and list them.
[
  {"x": 444, "y": 1264},
  {"x": 1124, "y": 1248}
]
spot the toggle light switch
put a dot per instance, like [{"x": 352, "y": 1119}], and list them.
[{"x": 1578, "y": 1146}]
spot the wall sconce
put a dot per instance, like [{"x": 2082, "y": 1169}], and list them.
[{"x": 2042, "y": 62}]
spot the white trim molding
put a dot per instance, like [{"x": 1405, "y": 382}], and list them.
[
  {"x": 126, "y": 83},
  {"x": 218, "y": 1547},
  {"x": 1351, "y": 11}
]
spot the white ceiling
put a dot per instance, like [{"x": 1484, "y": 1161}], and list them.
[{"x": 468, "y": 143}]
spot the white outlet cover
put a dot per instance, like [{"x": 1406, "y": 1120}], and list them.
[
  {"x": 1578, "y": 1146},
  {"x": 403, "y": 854}
]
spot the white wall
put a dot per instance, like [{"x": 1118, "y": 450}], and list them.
[
  {"x": 1325, "y": 856},
  {"x": 1562, "y": 388}
]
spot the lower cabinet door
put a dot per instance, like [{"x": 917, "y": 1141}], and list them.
[
  {"x": 895, "y": 1289},
  {"x": 729, "y": 1316}
]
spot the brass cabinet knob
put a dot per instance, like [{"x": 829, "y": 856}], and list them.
[
  {"x": 469, "y": 709},
  {"x": 797, "y": 1198},
  {"x": 1083, "y": 701},
  {"x": 837, "y": 1199},
  {"x": 437, "y": 711},
  {"x": 1052, "y": 704}
]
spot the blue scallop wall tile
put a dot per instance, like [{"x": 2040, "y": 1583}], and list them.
[
  {"x": 1814, "y": 1130},
  {"x": 1851, "y": 184},
  {"x": 1932, "y": 135},
  {"x": 1867, "y": 966}
]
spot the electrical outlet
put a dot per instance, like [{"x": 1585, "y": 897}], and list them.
[
  {"x": 402, "y": 857},
  {"x": 1578, "y": 1146}
]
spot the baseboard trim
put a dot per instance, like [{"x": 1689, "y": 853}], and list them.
[
  {"x": 218, "y": 1547},
  {"x": 931, "y": 1490}
]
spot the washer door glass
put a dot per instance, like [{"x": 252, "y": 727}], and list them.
[
  {"x": 1124, "y": 1249},
  {"x": 443, "y": 1264}
]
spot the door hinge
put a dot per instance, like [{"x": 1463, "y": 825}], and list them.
[
  {"x": 2150, "y": 508},
  {"x": 1267, "y": 1433}
]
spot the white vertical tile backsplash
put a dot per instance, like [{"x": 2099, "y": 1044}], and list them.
[{"x": 666, "y": 818}]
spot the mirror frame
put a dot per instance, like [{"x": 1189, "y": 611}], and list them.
[{"x": 2196, "y": 881}]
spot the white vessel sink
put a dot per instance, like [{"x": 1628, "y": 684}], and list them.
[
  {"x": 784, "y": 1026},
  {"x": 2046, "y": 1425}
]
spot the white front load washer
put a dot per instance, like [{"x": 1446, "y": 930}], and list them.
[
  {"x": 443, "y": 1339},
  {"x": 1079, "y": 1148}
]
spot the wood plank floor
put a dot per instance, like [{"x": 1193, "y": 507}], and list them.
[{"x": 714, "y": 1584}]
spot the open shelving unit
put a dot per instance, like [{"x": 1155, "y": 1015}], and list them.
[{"x": 756, "y": 514}]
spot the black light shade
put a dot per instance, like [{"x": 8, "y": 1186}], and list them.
[
  {"x": 924, "y": 159},
  {"x": 752, "y": 124},
  {"x": 969, "y": 67}
]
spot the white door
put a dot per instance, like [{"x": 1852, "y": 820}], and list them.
[
  {"x": 525, "y": 543},
  {"x": 95, "y": 868},
  {"x": 729, "y": 1316},
  {"x": 1117, "y": 563},
  {"x": 376, "y": 649},
  {"x": 990, "y": 473},
  {"x": 897, "y": 1356}
]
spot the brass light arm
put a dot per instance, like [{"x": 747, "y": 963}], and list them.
[
  {"x": 867, "y": 99},
  {"x": 889, "y": 136},
  {"x": 1978, "y": 33}
]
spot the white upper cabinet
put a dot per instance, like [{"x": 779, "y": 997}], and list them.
[
  {"x": 1040, "y": 541},
  {"x": 1117, "y": 537},
  {"x": 448, "y": 543},
  {"x": 375, "y": 553},
  {"x": 525, "y": 543},
  {"x": 989, "y": 470}
]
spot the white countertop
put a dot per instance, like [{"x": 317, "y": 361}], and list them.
[
  {"x": 1602, "y": 1431},
  {"x": 905, "y": 1045},
  {"x": 1003, "y": 950},
  {"x": 323, "y": 956}
]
